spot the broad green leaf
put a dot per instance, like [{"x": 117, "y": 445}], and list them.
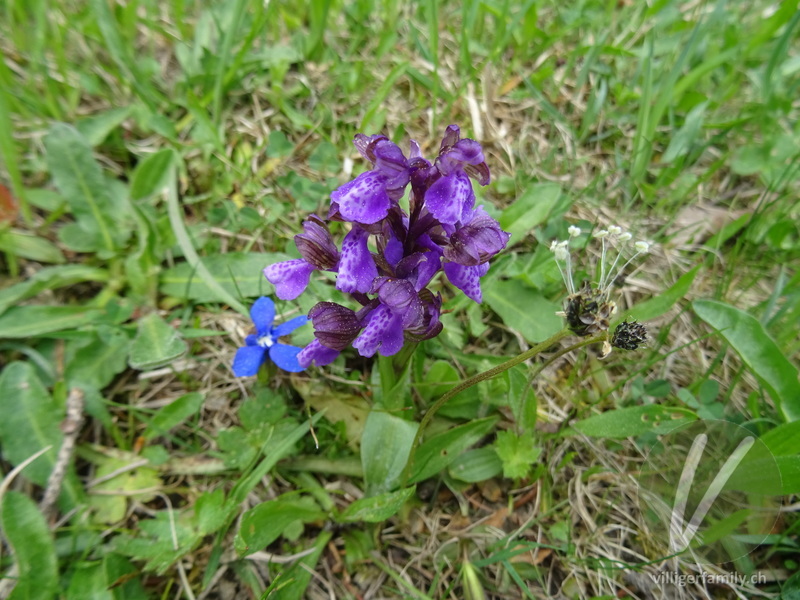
[
  {"x": 95, "y": 129},
  {"x": 30, "y": 421},
  {"x": 338, "y": 407},
  {"x": 764, "y": 474},
  {"x": 34, "y": 550},
  {"x": 263, "y": 524},
  {"x": 151, "y": 175},
  {"x": 521, "y": 398},
  {"x": 292, "y": 583},
  {"x": 662, "y": 302},
  {"x": 476, "y": 465},
  {"x": 160, "y": 541},
  {"x": 100, "y": 214},
  {"x": 681, "y": 142},
  {"x": 783, "y": 440},
  {"x": 109, "y": 498},
  {"x": 156, "y": 344},
  {"x": 518, "y": 453},
  {"x": 377, "y": 508},
  {"x": 758, "y": 351},
  {"x": 240, "y": 274},
  {"x": 211, "y": 511},
  {"x": 530, "y": 209},
  {"x": 26, "y": 245},
  {"x": 523, "y": 309},
  {"x": 49, "y": 278},
  {"x": 96, "y": 364},
  {"x": 385, "y": 447},
  {"x": 279, "y": 446},
  {"x": 634, "y": 420},
  {"x": 442, "y": 449},
  {"x": 173, "y": 414},
  {"x": 28, "y": 321},
  {"x": 789, "y": 467},
  {"x": 113, "y": 578},
  {"x": 441, "y": 376}
]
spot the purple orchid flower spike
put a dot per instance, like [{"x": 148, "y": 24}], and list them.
[
  {"x": 389, "y": 275},
  {"x": 251, "y": 356}
]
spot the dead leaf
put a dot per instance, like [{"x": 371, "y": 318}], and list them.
[
  {"x": 350, "y": 409},
  {"x": 695, "y": 223},
  {"x": 8, "y": 206}
]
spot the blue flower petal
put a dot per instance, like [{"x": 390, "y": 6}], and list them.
[
  {"x": 286, "y": 357},
  {"x": 289, "y": 326},
  {"x": 263, "y": 314},
  {"x": 248, "y": 360}
]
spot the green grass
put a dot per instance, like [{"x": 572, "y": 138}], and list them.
[{"x": 197, "y": 138}]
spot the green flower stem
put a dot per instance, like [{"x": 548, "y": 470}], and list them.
[
  {"x": 601, "y": 337},
  {"x": 468, "y": 383}
]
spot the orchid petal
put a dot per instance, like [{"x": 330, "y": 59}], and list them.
[
  {"x": 356, "y": 266},
  {"x": 363, "y": 200},
  {"x": 383, "y": 332},
  {"x": 289, "y": 277},
  {"x": 449, "y": 197},
  {"x": 467, "y": 279},
  {"x": 316, "y": 354}
]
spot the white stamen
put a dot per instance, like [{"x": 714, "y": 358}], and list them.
[
  {"x": 561, "y": 253},
  {"x": 574, "y": 231},
  {"x": 601, "y": 234},
  {"x": 603, "y": 261},
  {"x": 614, "y": 230},
  {"x": 265, "y": 341},
  {"x": 641, "y": 246},
  {"x": 625, "y": 237}
]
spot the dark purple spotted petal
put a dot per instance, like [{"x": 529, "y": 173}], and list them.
[
  {"x": 451, "y": 136},
  {"x": 449, "y": 197},
  {"x": 315, "y": 354},
  {"x": 402, "y": 299},
  {"x": 383, "y": 333},
  {"x": 430, "y": 325},
  {"x": 477, "y": 241},
  {"x": 392, "y": 164},
  {"x": 365, "y": 144},
  {"x": 363, "y": 200},
  {"x": 356, "y": 266},
  {"x": 316, "y": 244},
  {"x": 289, "y": 277},
  {"x": 335, "y": 326},
  {"x": 465, "y": 152}
]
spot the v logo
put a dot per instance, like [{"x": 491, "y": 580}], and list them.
[{"x": 679, "y": 537}]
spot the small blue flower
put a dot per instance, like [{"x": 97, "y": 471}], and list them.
[{"x": 250, "y": 357}]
